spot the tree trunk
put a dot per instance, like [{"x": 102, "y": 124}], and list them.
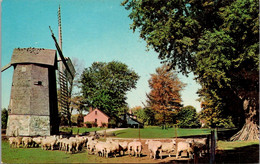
[{"x": 250, "y": 130}]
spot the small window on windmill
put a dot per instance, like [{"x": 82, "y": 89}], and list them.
[
  {"x": 95, "y": 112},
  {"x": 38, "y": 83}
]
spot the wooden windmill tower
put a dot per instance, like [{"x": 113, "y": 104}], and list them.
[{"x": 33, "y": 106}]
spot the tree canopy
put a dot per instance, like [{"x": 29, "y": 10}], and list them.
[
  {"x": 164, "y": 97},
  {"x": 187, "y": 117},
  {"x": 104, "y": 86},
  {"x": 216, "y": 40},
  {"x": 4, "y": 118}
]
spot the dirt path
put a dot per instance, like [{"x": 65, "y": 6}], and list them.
[{"x": 110, "y": 130}]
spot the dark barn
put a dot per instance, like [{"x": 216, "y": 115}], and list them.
[{"x": 33, "y": 108}]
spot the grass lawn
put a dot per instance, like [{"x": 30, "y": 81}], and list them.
[
  {"x": 238, "y": 152},
  {"x": 228, "y": 152},
  {"x": 37, "y": 155},
  {"x": 80, "y": 130},
  {"x": 157, "y": 132}
]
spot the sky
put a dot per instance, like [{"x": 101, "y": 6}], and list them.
[{"x": 92, "y": 31}]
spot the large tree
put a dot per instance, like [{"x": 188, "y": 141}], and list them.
[
  {"x": 164, "y": 97},
  {"x": 105, "y": 85},
  {"x": 216, "y": 40},
  {"x": 187, "y": 117}
]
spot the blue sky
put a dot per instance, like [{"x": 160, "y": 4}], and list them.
[{"x": 92, "y": 30}]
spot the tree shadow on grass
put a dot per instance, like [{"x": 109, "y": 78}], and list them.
[{"x": 246, "y": 154}]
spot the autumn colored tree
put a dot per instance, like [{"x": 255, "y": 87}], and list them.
[
  {"x": 164, "y": 97},
  {"x": 216, "y": 40}
]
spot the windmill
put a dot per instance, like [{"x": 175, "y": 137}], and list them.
[
  {"x": 33, "y": 106},
  {"x": 66, "y": 72}
]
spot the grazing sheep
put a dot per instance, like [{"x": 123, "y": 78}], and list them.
[
  {"x": 18, "y": 141},
  {"x": 167, "y": 147},
  {"x": 12, "y": 141},
  {"x": 79, "y": 143},
  {"x": 135, "y": 147},
  {"x": 200, "y": 145},
  {"x": 27, "y": 141},
  {"x": 184, "y": 146},
  {"x": 112, "y": 147},
  {"x": 124, "y": 146},
  {"x": 49, "y": 142},
  {"x": 100, "y": 149},
  {"x": 91, "y": 146},
  {"x": 37, "y": 141},
  {"x": 70, "y": 145},
  {"x": 62, "y": 143},
  {"x": 153, "y": 147}
]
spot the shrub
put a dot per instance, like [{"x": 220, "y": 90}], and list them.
[
  {"x": 112, "y": 124},
  {"x": 94, "y": 124},
  {"x": 88, "y": 124},
  {"x": 103, "y": 125},
  {"x": 80, "y": 120}
]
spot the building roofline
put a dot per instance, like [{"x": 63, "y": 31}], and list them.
[{"x": 98, "y": 110}]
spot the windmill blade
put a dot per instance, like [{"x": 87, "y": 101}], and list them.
[
  {"x": 6, "y": 67},
  {"x": 61, "y": 55}
]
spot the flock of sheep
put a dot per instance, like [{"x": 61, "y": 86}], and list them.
[{"x": 111, "y": 147}]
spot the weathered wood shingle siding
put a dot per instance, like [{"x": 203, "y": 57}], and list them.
[{"x": 33, "y": 106}]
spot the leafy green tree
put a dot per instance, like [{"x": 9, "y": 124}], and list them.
[
  {"x": 216, "y": 40},
  {"x": 4, "y": 118},
  {"x": 164, "y": 97},
  {"x": 104, "y": 86},
  {"x": 187, "y": 117},
  {"x": 144, "y": 115}
]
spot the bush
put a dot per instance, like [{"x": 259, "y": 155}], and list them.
[
  {"x": 112, "y": 124},
  {"x": 94, "y": 124},
  {"x": 88, "y": 124},
  {"x": 104, "y": 125},
  {"x": 80, "y": 120}
]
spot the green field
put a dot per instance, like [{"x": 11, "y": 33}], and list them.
[
  {"x": 80, "y": 130},
  {"x": 227, "y": 152},
  {"x": 157, "y": 132}
]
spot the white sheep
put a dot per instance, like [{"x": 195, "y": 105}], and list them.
[
  {"x": 18, "y": 141},
  {"x": 26, "y": 141},
  {"x": 135, "y": 147},
  {"x": 70, "y": 144},
  {"x": 167, "y": 147},
  {"x": 91, "y": 146},
  {"x": 37, "y": 141},
  {"x": 62, "y": 143},
  {"x": 12, "y": 141},
  {"x": 100, "y": 148},
  {"x": 184, "y": 147},
  {"x": 124, "y": 146},
  {"x": 153, "y": 147},
  {"x": 112, "y": 147},
  {"x": 49, "y": 142}
]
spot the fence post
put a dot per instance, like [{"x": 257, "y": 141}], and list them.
[
  {"x": 212, "y": 147},
  {"x": 105, "y": 133},
  {"x": 139, "y": 132}
]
